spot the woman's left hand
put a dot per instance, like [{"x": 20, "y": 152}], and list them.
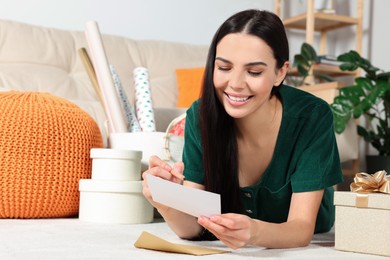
[{"x": 234, "y": 230}]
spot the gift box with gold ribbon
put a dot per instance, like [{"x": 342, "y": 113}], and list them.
[{"x": 363, "y": 215}]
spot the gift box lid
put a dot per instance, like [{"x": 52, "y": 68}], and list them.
[
  {"x": 362, "y": 200},
  {"x": 108, "y": 153}
]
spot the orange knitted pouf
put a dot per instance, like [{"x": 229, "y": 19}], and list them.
[{"x": 45, "y": 143}]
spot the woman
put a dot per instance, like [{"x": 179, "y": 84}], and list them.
[{"x": 267, "y": 148}]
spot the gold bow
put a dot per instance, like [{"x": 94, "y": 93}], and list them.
[{"x": 379, "y": 182}]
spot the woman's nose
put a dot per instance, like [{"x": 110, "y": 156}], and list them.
[{"x": 237, "y": 80}]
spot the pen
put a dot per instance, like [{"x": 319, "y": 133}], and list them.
[
  {"x": 173, "y": 171},
  {"x": 177, "y": 174}
]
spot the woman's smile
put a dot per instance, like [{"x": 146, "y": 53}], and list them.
[{"x": 237, "y": 100}]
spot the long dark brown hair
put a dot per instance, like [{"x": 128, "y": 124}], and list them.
[{"x": 220, "y": 149}]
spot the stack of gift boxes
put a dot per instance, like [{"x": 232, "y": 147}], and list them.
[{"x": 114, "y": 193}]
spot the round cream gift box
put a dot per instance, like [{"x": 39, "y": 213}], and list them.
[
  {"x": 150, "y": 143},
  {"x": 107, "y": 201},
  {"x": 115, "y": 164}
]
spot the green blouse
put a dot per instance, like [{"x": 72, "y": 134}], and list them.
[{"x": 305, "y": 159}]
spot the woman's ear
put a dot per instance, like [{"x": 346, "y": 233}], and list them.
[{"x": 281, "y": 73}]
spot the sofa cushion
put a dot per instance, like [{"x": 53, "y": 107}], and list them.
[
  {"x": 162, "y": 59},
  {"x": 36, "y": 58},
  {"x": 189, "y": 82}
]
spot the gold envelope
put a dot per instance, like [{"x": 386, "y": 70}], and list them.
[{"x": 149, "y": 241}]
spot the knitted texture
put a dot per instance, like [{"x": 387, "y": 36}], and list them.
[{"x": 45, "y": 143}]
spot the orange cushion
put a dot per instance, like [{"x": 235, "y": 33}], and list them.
[{"x": 189, "y": 82}]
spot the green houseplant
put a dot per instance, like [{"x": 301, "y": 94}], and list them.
[
  {"x": 368, "y": 97},
  {"x": 304, "y": 61}
]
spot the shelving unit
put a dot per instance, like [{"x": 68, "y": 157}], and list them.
[
  {"x": 313, "y": 21},
  {"x": 330, "y": 70}
]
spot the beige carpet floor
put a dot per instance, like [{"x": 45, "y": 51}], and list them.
[{"x": 74, "y": 239}]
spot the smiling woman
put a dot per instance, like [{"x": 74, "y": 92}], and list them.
[
  {"x": 243, "y": 75},
  {"x": 267, "y": 148}
]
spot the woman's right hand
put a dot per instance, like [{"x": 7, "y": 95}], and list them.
[{"x": 161, "y": 169}]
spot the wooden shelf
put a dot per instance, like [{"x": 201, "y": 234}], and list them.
[
  {"x": 323, "y": 22},
  {"x": 327, "y": 91},
  {"x": 330, "y": 70},
  {"x": 314, "y": 21}
]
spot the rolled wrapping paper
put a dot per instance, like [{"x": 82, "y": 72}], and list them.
[
  {"x": 111, "y": 102},
  {"x": 132, "y": 121},
  {"x": 143, "y": 100}
]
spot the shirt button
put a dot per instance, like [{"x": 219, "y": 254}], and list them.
[
  {"x": 249, "y": 211},
  {"x": 248, "y": 195}
]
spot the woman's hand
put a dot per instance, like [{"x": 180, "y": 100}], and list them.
[
  {"x": 234, "y": 230},
  {"x": 162, "y": 169},
  {"x": 239, "y": 230}
]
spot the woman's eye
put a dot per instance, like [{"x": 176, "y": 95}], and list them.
[
  {"x": 224, "y": 68},
  {"x": 254, "y": 72}
]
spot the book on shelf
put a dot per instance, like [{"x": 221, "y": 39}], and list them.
[
  {"x": 325, "y": 11},
  {"x": 329, "y": 60}
]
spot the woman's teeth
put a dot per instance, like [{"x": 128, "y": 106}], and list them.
[{"x": 238, "y": 99}]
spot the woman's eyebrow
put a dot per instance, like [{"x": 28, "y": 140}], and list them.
[
  {"x": 250, "y": 64},
  {"x": 223, "y": 60},
  {"x": 256, "y": 63}
]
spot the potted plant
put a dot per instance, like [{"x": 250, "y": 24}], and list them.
[
  {"x": 305, "y": 75},
  {"x": 368, "y": 97},
  {"x": 304, "y": 63}
]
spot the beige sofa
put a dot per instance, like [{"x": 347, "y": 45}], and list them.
[{"x": 35, "y": 58}]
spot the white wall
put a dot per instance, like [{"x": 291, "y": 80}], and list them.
[
  {"x": 194, "y": 21},
  {"x": 174, "y": 20},
  {"x": 379, "y": 51}
]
